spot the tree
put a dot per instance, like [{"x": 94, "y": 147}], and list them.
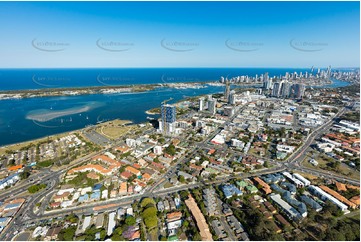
[
  {"x": 116, "y": 237},
  {"x": 184, "y": 194},
  {"x": 145, "y": 201},
  {"x": 132, "y": 178},
  {"x": 36, "y": 188},
  {"x": 72, "y": 218},
  {"x": 130, "y": 220},
  {"x": 182, "y": 179},
  {"x": 332, "y": 208},
  {"x": 185, "y": 224},
  {"x": 170, "y": 149},
  {"x": 197, "y": 237},
  {"x": 334, "y": 235},
  {"x": 67, "y": 234},
  {"x": 151, "y": 222},
  {"x": 149, "y": 216},
  {"x": 25, "y": 174},
  {"x": 121, "y": 169},
  {"x": 149, "y": 212}
]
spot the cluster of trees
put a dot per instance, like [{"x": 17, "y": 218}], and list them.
[
  {"x": 67, "y": 234},
  {"x": 149, "y": 213},
  {"x": 82, "y": 178},
  {"x": 350, "y": 193},
  {"x": 170, "y": 150},
  {"x": 258, "y": 226},
  {"x": 89, "y": 234},
  {"x": 25, "y": 174},
  {"x": 72, "y": 218},
  {"x": 181, "y": 179},
  {"x": 36, "y": 188},
  {"x": 125, "y": 154},
  {"x": 348, "y": 229},
  {"x": 351, "y": 116}
]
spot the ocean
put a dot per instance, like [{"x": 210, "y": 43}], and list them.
[{"x": 31, "y": 118}]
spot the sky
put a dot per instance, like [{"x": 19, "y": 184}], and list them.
[{"x": 179, "y": 34}]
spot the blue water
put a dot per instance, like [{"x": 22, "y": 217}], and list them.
[
  {"x": 15, "y": 125},
  {"x": 20, "y": 79}
]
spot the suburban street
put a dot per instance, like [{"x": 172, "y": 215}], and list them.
[{"x": 26, "y": 214}]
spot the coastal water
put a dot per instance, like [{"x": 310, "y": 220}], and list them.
[
  {"x": 31, "y": 118},
  {"x": 20, "y": 79}
]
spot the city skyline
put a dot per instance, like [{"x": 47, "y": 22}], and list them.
[{"x": 198, "y": 34}]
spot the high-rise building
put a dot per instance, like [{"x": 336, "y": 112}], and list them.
[
  {"x": 232, "y": 97},
  {"x": 265, "y": 78},
  {"x": 286, "y": 89},
  {"x": 276, "y": 89},
  {"x": 329, "y": 72},
  {"x": 212, "y": 106},
  {"x": 267, "y": 84},
  {"x": 227, "y": 90},
  {"x": 297, "y": 90},
  {"x": 168, "y": 113},
  {"x": 201, "y": 104}
]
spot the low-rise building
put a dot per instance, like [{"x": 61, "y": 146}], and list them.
[{"x": 285, "y": 207}]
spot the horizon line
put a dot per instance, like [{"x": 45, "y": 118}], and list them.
[{"x": 178, "y": 67}]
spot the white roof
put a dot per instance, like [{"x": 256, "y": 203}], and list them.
[
  {"x": 111, "y": 223},
  {"x": 86, "y": 222}
]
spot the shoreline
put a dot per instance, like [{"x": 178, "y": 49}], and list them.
[
  {"x": 149, "y": 112},
  {"x": 126, "y": 89},
  {"x": 58, "y": 135},
  {"x": 75, "y": 91}
]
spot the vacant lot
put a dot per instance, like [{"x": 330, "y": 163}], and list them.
[
  {"x": 115, "y": 129},
  {"x": 322, "y": 165}
]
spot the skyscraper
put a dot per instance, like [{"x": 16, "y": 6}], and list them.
[
  {"x": 267, "y": 84},
  {"x": 227, "y": 90},
  {"x": 168, "y": 113},
  {"x": 297, "y": 91},
  {"x": 201, "y": 104},
  {"x": 276, "y": 89},
  {"x": 265, "y": 78},
  {"x": 232, "y": 97},
  {"x": 329, "y": 72},
  {"x": 212, "y": 106},
  {"x": 286, "y": 89}
]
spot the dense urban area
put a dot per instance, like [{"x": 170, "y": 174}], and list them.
[{"x": 279, "y": 162}]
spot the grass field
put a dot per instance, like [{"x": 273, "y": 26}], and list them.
[
  {"x": 343, "y": 169},
  {"x": 115, "y": 128},
  {"x": 167, "y": 185}
]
